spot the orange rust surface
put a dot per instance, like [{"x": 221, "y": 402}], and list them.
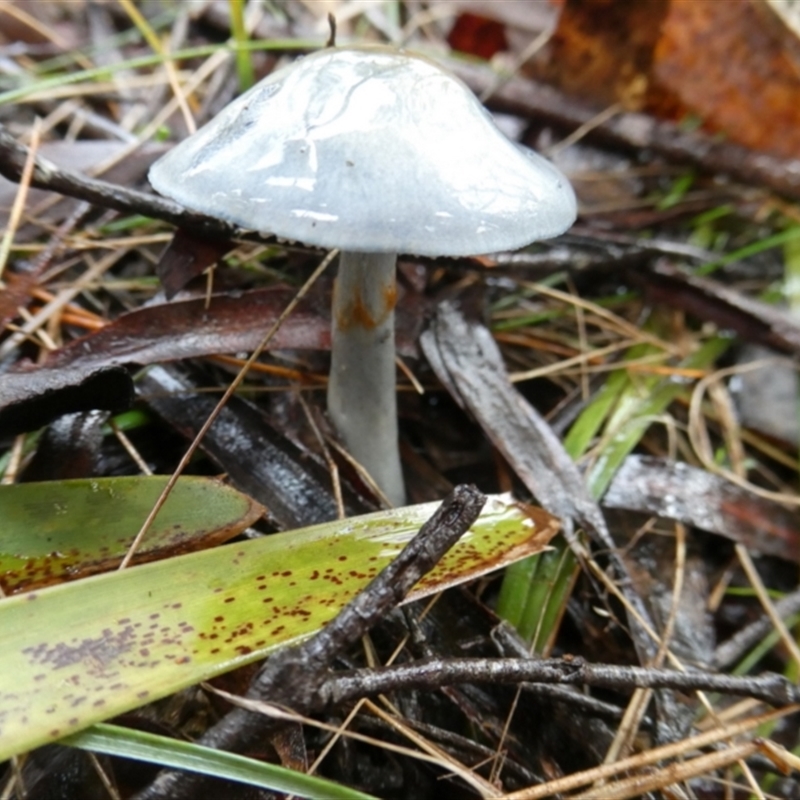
[
  {"x": 732, "y": 66},
  {"x": 357, "y": 315},
  {"x": 602, "y": 50},
  {"x": 390, "y": 297},
  {"x": 730, "y": 63}
]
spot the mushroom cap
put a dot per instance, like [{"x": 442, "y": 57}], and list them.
[{"x": 371, "y": 150}]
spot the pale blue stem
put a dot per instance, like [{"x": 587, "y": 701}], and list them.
[{"x": 362, "y": 392}]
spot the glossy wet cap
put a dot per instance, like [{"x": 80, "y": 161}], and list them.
[{"x": 371, "y": 150}]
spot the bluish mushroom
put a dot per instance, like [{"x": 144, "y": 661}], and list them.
[{"x": 376, "y": 152}]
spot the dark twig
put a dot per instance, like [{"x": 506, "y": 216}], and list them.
[
  {"x": 511, "y": 645},
  {"x": 461, "y": 747},
  {"x": 756, "y": 321},
  {"x": 436, "y": 537},
  {"x": 771, "y": 688},
  {"x": 467, "y": 360},
  {"x": 47, "y": 175},
  {"x": 293, "y": 677},
  {"x": 332, "y": 27},
  {"x": 730, "y": 651}
]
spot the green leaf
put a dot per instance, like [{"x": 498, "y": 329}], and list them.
[
  {"x": 82, "y": 652},
  {"x": 62, "y": 530},
  {"x": 115, "y": 741}
]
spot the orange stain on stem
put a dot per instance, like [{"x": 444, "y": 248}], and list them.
[{"x": 358, "y": 314}]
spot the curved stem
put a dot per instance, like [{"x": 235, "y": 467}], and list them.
[{"x": 362, "y": 398}]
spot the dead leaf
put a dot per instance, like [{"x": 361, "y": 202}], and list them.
[
  {"x": 477, "y": 35},
  {"x": 31, "y": 399},
  {"x": 675, "y": 490},
  {"x": 602, "y": 50},
  {"x": 727, "y": 64},
  {"x": 295, "y": 488},
  {"x": 754, "y": 320},
  {"x": 187, "y": 255},
  {"x": 730, "y": 64}
]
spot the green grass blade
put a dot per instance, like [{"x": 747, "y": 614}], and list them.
[
  {"x": 587, "y": 426},
  {"x": 535, "y": 591},
  {"x": 637, "y": 406},
  {"x": 792, "y": 233},
  {"x": 244, "y": 62},
  {"x": 116, "y": 741}
]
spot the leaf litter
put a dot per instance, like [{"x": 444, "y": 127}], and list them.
[{"x": 614, "y": 356}]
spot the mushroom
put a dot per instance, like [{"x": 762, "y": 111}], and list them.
[{"x": 376, "y": 152}]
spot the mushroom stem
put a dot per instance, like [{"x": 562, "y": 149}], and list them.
[{"x": 362, "y": 398}]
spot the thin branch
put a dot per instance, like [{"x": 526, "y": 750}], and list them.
[
  {"x": 293, "y": 677},
  {"x": 431, "y": 675},
  {"x": 48, "y": 176},
  {"x": 732, "y": 650}
]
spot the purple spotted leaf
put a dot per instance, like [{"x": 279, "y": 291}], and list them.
[
  {"x": 62, "y": 530},
  {"x": 83, "y": 652}
]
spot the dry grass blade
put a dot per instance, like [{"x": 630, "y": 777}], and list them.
[
  {"x": 19, "y": 201},
  {"x": 234, "y": 384},
  {"x": 662, "y": 779},
  {"x": 428, "y": 757},
  {"x": 650, "y": 757},
  {"x": 701, "y": 440}
]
